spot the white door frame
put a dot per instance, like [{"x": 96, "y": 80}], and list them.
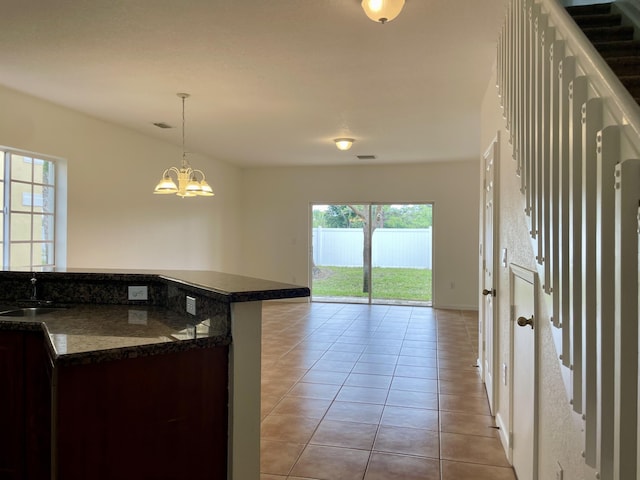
[
  {"x": 488, "y": 327},
  {"x": 530, "y": 277}
]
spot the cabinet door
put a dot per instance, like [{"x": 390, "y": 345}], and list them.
[
  {"x": 37, "y": 405},
  {"x": 157, "y": 417},
  {"x": 12, "y": 426}
]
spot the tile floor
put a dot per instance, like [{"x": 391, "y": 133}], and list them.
[{"x": 353, "y": 392}]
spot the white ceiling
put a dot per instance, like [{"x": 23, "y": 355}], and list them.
[{"x": 272, "y": 82}]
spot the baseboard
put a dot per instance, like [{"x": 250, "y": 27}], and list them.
[
  {"x": 504, "y": 435},
  {"x": 457, "y": 307}
]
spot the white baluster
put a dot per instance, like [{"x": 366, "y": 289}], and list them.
[
  {"x": 567, "y": 69},
  {"x": 591, "y": 124},
  {"x": 608, "y": 156},
  {"x": 627, "y": 184},
  {"x": 577, "y": 96},
  {"x": 532, "y": 160},
  {"x": 544, "y": 248},
  {"x": 520, "y": 73},
  {"x": 525, "y": 174},
  {"x": 556, "y": 161}
]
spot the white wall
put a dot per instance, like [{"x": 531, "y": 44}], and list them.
[
  {"x": 258, "y": 222},
  {"x": 276, "y": 240},
  {"x": 560, "y": 436},
  {"x": 114, "y": 220}
]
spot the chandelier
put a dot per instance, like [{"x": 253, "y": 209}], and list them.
[
  {"x": 382, "y": 11},
  {"x": 187, "y": 177}
]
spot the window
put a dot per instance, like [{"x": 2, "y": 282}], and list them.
[{"x": 28, "y": 200}]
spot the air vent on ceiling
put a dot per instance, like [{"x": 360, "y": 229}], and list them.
[
  {"x": 366, "y": 157},
  {"x": 162, "y": 125}
]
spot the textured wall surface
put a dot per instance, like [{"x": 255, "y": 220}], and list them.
[{"x": 558, "y": 427}]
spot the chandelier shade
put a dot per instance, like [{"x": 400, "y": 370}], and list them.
[{"x": 190, "y": 182}]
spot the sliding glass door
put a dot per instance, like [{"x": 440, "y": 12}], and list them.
[
  {"x": 401, "y": 254},
  {"x": 338, "y": 261},
  {"x": 372, "y": 253}
]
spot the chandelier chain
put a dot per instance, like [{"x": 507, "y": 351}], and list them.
[{"x": 184, "y": 153}]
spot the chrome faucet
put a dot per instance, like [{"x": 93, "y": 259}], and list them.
[{"x": 34, "y": 291}]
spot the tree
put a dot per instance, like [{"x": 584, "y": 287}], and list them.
[
  {"x": 408, "y": 216},
  {"x": 318, "y": 217},
  {"x": 342, "y": 216},
  {"x": 363, "y": 213}
]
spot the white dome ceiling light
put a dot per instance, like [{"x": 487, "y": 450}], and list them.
[
  {"x": 344, "y": 143},
  {"x": 382, "y": 11}
]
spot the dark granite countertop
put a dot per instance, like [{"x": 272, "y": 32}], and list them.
[
  {"x": 94, "y": 333},
  {"x": 222, "y": 286},
  {"x": 102, "y": 324},
  {"x": 237, "y": 287}
]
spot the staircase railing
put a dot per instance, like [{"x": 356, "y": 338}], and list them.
[{"x": 575, "y": 134}]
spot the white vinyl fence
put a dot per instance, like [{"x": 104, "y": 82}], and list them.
[{"x": 391, "y": 247}]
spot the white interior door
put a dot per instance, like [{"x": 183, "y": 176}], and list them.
[
  {"x": 523, "y": 373},
  {"x": 487, "y": 325}
]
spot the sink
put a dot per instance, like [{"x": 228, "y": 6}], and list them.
[{"x": 29, "y": 311}]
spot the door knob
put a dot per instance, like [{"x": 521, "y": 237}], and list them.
[
  {"x": 523, "y": 322},
  {"x": 491, "y": 292}
]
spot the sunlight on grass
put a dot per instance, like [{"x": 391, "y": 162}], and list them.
[{"x": 388, "y": 283}]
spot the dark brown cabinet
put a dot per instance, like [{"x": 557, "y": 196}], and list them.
[
  {"x": 157, "y": 417},
  {"x": 25, "y": 407},
  {"x": 12, "y": 406},
  {"x": 161, "y": 416}
]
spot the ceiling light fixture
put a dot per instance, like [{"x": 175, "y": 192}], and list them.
[
  {"x": 382, "y": 11},
  {"x": 188, "y": 184},
  {"x": 344, "y": 143}
]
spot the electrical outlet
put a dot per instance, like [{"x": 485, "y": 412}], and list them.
[
  {"x": 138, "y": 293},
  {"x": 191, "y": 305}
]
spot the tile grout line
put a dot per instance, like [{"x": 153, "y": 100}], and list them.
[{"x": 348, "y": 374}]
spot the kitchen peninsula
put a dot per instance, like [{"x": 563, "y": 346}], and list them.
[{"x": 109, "y": 377}]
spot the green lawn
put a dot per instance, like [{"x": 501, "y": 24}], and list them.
[{"x": 388, "y": 283}]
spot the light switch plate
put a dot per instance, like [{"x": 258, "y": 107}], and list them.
[{"x": 138, "y": 293}]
